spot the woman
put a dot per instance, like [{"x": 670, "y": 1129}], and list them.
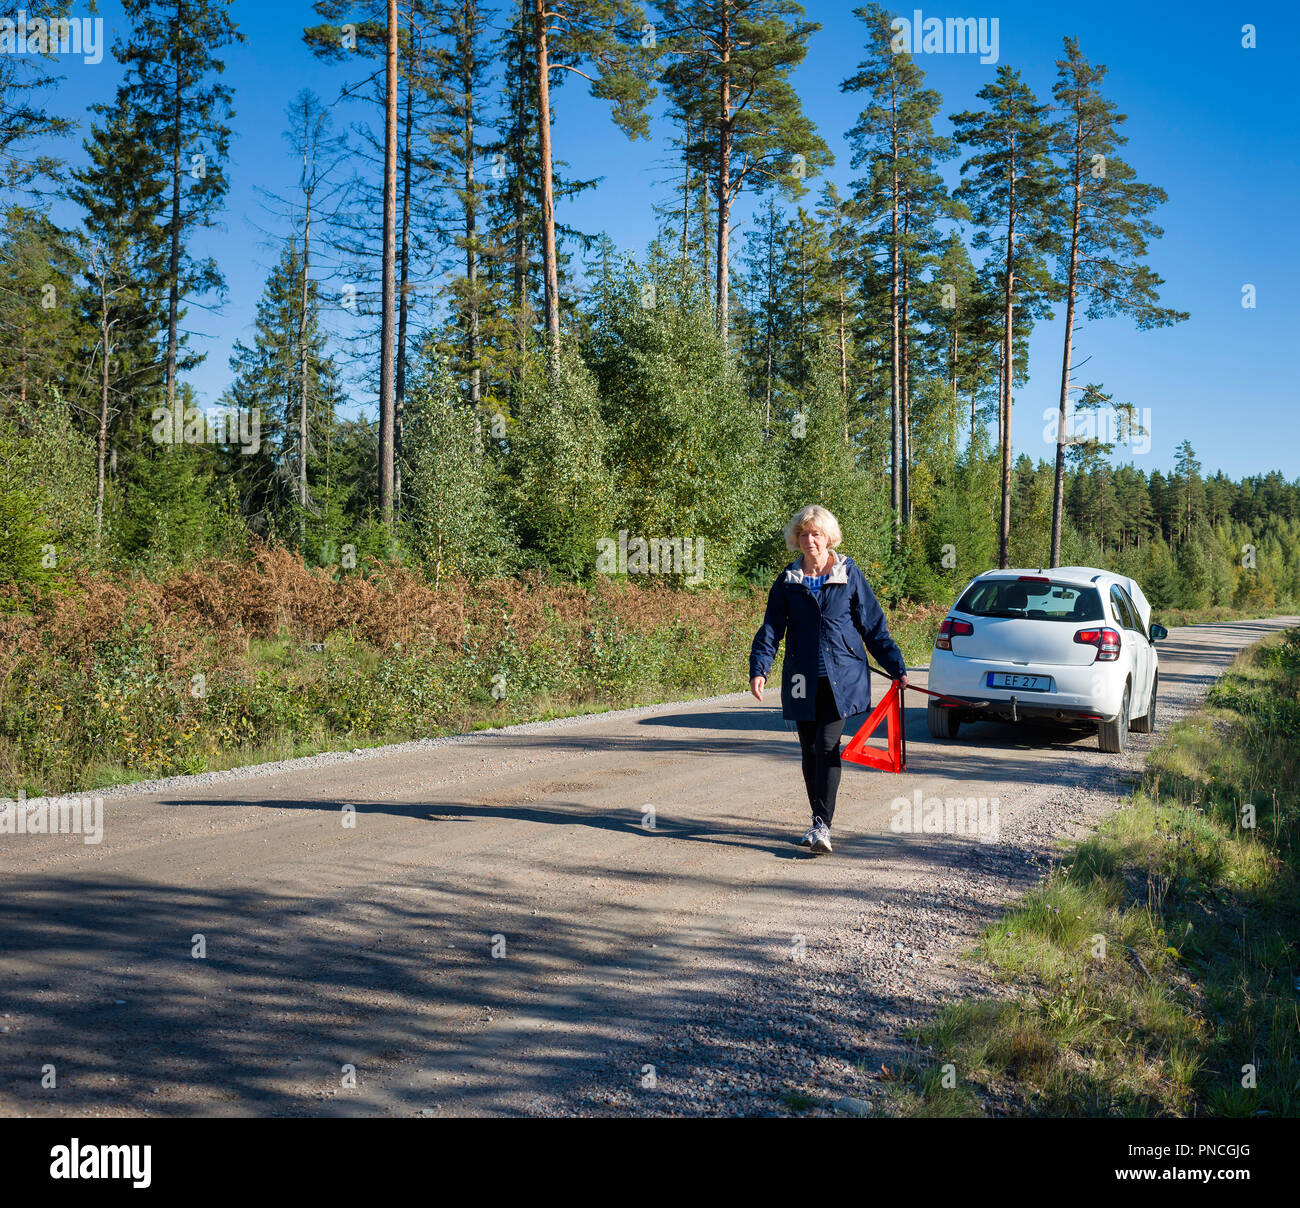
[{"x": 830, "y": 618}]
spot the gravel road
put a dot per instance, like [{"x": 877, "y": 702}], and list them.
[{"x": 600, "y": 916}]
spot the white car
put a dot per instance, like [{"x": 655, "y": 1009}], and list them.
[{"x": 1069, "y": 644}]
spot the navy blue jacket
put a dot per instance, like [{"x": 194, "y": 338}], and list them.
[{"x": 847, "y": 622}]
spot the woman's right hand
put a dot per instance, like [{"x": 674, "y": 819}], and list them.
[{"x": 756, "y": 686}]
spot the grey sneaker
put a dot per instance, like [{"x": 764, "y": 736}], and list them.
[
  {"x": 806, "y": 840},
  {"x": 821, "y": 838}
]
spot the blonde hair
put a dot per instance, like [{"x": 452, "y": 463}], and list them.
[{"x": 814, "y": 515}]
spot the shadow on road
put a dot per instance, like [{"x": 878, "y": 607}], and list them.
[{"x": 395, "y": 978}]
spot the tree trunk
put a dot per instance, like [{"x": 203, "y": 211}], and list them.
[
  {"x": 404, "y": 271},
  {"x": 471, "y": 220},
  {"x": 1008, "y": 369},
  {"x": 386, "y": 383},
  {"x": 844, "y": 362},
  {"x": 905, "y": 411},
  {"x": 174, "y": 255},
  {"x": 895, "y": 483},
  {"x": 724, "y": 177},
  {"x": 904, "y": 396},
  {"x": 519, "y": 278},
  {"x": 302, "y": 370},
  {"x": 1071, "y": 287},
  {"x": 101, "y": 449},
  {"x": 952, "y": 373},
  {"x": 548, "y": 191},
  {"x": 771, "y": 303}
]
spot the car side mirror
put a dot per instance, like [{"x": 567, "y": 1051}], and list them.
[{"x": 1158, "y": 632}]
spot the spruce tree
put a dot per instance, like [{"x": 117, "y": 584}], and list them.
[
  {"x": 26, "y": 129},
  {"x": 123, "y": 195},
  {"x": 40, "y": 335},
  {"x": 287, "y": 379},
  {"x": 171, "y": 57}
]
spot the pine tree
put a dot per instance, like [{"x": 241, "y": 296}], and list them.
[
  {"x": 1109, "y": 227},
  {"x": 818, "y": 467},
  {"x": 460, "y": 98},
  {"x": 844, "y": 248},
  {"x": 728, "y": 74},
  {"x": 808, "y": 277},
  {"x": 514, "y": 268},
  {"x": 1190, "y": 489},
  {"x": 601, "y": 41},
  {"x": 901, "y": 197},
  {"x": 388, "y": 243},
  {"x": 761, "y": 326},
  {"x": 1013, "y": 196},
  {"x": 961, "y": 321}
]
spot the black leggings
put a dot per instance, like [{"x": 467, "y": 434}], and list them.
[{"x": 820, "y": 741}]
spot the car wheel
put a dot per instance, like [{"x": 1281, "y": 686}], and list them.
[
  {"x": 1111, "y": 735},
  {"x": 943, "y": 723},
  {"x": 1147, "y": 724}
]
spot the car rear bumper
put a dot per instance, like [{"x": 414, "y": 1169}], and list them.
[
  {"x": 1038, "y": 705},
  {"x": 1086, "y": 692}
]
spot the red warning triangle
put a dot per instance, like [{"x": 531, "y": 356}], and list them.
[{"x": 893, "y": 758}]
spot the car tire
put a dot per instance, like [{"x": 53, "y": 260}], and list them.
[
  {"x": 1147, "y": 724},
  {"x": 1112, "y": 735},
  {"x": 942, "y": 723}
]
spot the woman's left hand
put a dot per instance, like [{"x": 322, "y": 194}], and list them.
[{"x": 902, "y": 681}]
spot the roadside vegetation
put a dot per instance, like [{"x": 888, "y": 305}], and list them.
[
  {"x": 233, "y": 664},
  {"x": 1154, "y": 973},
  {"x": 107, "y": 678}
]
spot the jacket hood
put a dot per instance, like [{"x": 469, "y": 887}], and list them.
[{"x": 838, "y": 573}]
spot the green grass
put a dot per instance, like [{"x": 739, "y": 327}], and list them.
[
  {"x": 797, "y": 1101},
  {"x": 1154, "y": 973}
]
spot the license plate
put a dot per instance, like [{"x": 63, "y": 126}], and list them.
[{"x": 1007, "y": 679}]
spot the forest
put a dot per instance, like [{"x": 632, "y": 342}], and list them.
[{"x": 447, "y": 387}]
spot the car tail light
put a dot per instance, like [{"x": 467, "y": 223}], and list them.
[
  {"x": 1106, "y": 640},
  {"x": 950, "y": 629},
  {"x": 1032, "y": 579}
]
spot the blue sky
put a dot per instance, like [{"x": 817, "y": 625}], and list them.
[{"x": 1210, "y": 122}]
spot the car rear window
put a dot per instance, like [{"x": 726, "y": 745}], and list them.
[{"x": 1038, "y": 599}]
